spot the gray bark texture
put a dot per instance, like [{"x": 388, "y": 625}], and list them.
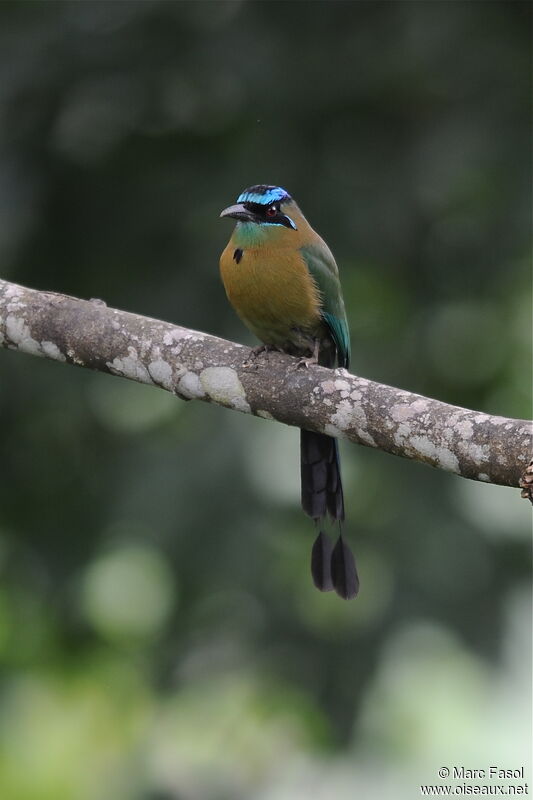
[{"x": 194, "y": 365}]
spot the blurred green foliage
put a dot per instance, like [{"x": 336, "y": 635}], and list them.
[{"x": 159, "y": 636}]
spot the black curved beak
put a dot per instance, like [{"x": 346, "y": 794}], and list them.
[{"x": 237, "y": 212}]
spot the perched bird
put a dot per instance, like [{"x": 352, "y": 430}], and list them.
[{"x": 283, "y": 282}]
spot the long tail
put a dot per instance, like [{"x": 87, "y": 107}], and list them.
[{"x": 322, "y": 495}]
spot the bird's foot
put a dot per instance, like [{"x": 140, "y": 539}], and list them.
[
  {"x": 255, "y": 352},
  {"x": 305, "y": 363},
  {"x": 309, "y": 361}
]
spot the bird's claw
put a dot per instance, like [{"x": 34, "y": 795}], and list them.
[
  {"x": 255, "y": 352},
  {"x": 309, "y": 361},
  {"x": 305, "y": 363}
]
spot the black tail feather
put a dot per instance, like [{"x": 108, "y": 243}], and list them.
[
  {"x": 343, "y": 570},
  {"x": 321, "y": 477},
  {"x": 321, "y": 562},
  {"x": 331, "y": 568}
]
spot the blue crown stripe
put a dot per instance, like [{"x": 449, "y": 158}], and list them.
[{"x": 272, "y": 196}]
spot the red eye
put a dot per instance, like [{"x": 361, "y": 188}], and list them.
[{"x": 271, "y": 212}]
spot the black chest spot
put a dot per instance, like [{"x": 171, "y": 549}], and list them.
[{"x": 237, "y": 255}]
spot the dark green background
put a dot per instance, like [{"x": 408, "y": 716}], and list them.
[{"x": 159, "y": 636}]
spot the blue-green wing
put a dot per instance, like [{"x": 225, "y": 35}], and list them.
[{"x": 322, "y": 266}]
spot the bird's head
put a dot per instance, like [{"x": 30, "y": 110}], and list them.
[{"x": 266, "y": 206}]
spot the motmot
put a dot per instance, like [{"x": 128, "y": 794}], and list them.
[{"x": 282, "y": 280}]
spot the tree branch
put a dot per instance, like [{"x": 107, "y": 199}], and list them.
[{"x": 195, "y": 365}]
